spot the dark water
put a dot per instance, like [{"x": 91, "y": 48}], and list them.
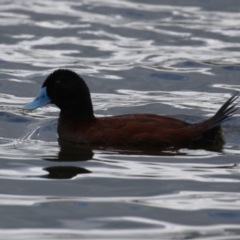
[{"x": 177, "y": 58}]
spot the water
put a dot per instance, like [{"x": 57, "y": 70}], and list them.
[{"x": 180, "y": 59}]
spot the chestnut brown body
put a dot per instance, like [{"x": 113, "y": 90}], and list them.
[{"x": 146, "y": 130}]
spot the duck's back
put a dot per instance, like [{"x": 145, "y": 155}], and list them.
[{"x": 143, "y": 129}]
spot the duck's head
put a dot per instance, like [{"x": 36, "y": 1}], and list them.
[{"x": 68, "y": 91}]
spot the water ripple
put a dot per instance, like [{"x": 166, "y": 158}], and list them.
[
  {"x": 180, "y": 201},
  {"x": 123, "y": 51},
  {"x": 160, "y": 229}
]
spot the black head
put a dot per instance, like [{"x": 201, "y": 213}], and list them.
[{"x": 68, "y": 91}]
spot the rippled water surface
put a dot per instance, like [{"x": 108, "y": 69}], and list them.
[{"x": 178, "y": 58}]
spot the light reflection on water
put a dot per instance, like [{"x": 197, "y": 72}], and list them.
[
  {"x": 171, "y": 232},
  {"x": 121, "y": 50},
  {"x": 136, "y": 57}
]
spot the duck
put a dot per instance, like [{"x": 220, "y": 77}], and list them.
[{"x": 78, "y": 124}]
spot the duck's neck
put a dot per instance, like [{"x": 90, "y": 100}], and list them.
[{"x": 78, "y": 113}]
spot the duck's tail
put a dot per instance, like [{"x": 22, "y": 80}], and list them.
[
  {"x": 208, "y": 132},
  {"x": 224, "y": 113}
]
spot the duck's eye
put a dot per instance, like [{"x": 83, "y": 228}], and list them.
[
  {"x": 57, "y": 84},
  {"x": 58, "y": 88}
]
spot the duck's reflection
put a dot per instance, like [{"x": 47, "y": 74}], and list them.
[
  {"x": 64, "y": 172},
  {"x": 70, "y": 152}
]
